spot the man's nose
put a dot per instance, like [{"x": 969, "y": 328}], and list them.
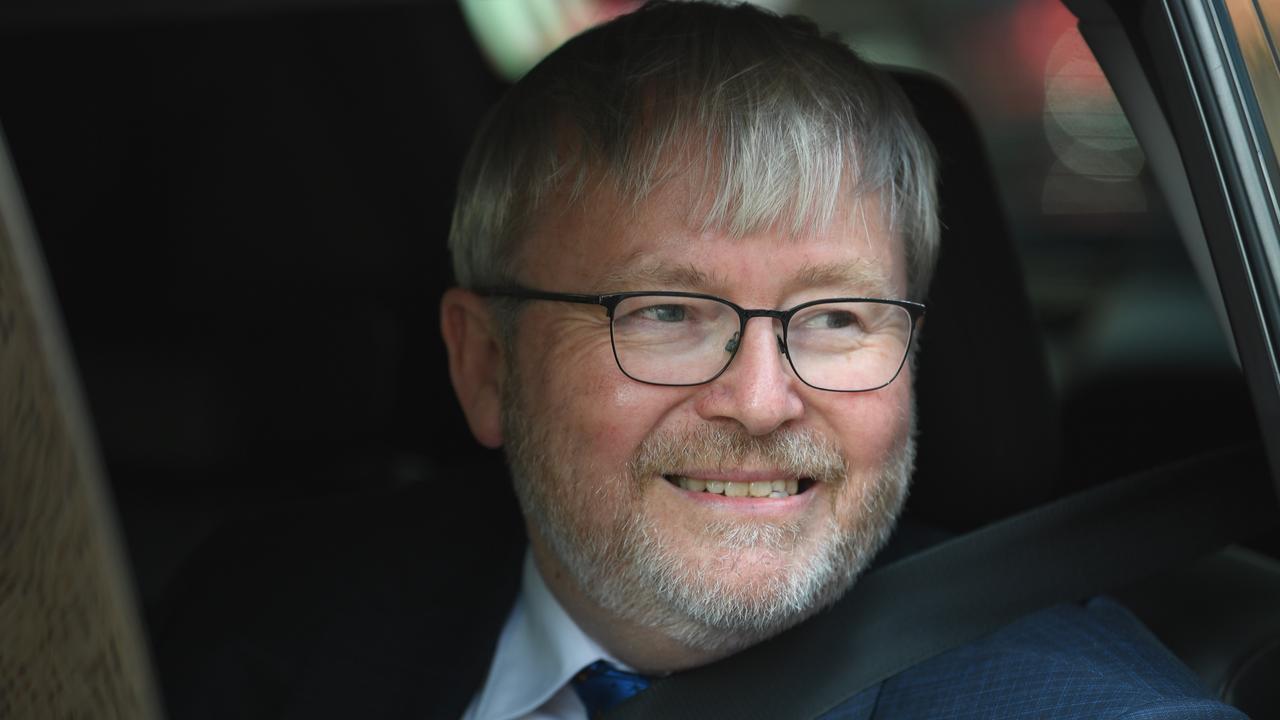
[{"x": 758, "y": 390}]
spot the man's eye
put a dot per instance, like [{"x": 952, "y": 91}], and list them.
[
  {"x": 664, "y": 313},
  {"x": 832, "y": 320}
]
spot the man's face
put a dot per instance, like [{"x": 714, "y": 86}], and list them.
[{"x": 598, "y": 457}]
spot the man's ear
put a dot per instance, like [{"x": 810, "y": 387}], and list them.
[{"x": 475, "y": 362}]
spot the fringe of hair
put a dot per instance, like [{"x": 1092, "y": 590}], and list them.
[{"x": 783, "y": 126}]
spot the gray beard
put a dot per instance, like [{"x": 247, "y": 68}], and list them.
[{"x": 630, "y": 571}]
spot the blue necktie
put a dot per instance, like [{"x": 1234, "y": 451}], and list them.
[{"x": 601, "y": 686}]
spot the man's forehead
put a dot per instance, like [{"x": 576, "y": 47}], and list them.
[
  {"x": 860, "y": 276},
  {"x": 603, "y": 242}
]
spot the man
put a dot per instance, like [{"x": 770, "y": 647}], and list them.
[{"x": 690, "y": 245}]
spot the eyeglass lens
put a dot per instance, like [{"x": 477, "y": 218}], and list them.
[{"x": 845, "y": 346}]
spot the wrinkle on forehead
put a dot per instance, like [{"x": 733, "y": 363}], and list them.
[
  {"x": 860, "y": 223},
  {"x": 641, "y": 272},
  {"x": 861, "y": 277}
]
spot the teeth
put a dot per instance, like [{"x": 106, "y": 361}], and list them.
[{"x": 760, "y": 489}]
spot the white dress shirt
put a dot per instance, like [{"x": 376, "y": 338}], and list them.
[{"x": 541, "y": 648}]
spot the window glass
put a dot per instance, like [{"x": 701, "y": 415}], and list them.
[
  {"x": 1135, "y": 347},
  {"x": 1255, "y": 26}
]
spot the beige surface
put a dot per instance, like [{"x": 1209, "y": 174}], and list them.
[{"x": 70, "y": 646}]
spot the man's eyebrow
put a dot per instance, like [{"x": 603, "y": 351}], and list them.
[
  {"x": 861, "y": 277},
  {"x": 656, "y": 276}
]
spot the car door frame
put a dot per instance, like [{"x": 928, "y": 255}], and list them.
[{"x": 1192, "y": 58}]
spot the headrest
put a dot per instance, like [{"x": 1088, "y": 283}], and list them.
[{"x": 989, "y": 430}]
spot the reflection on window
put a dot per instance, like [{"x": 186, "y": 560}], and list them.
[{"x": 1097, "y": 159}]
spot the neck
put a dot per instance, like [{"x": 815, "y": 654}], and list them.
[{"x": 642, "y": 647}]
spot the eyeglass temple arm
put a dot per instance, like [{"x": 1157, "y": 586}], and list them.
[{"x": 523, "y": 293}]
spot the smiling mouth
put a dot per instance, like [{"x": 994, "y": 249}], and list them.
[{"x": 760, "y": 489}]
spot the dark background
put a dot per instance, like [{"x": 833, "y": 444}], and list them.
[{"x": 245, "y": 217}]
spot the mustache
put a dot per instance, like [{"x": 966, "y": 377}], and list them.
[{"x": 801, "y": 452}]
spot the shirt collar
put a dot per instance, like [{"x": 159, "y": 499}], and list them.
[{"x": 539, "y": 650}]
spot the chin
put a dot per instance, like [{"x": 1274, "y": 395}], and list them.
[{"x": 742, "y": 584}]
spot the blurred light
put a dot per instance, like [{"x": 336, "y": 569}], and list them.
[
  {"x": 1097, "y": 157},
  {"x": 1035, "y": 27},
  {"x": 516, "y": 34}
]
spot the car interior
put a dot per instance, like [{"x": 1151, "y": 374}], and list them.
[{"x": 244, "y": 211}]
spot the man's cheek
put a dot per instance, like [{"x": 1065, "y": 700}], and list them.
[
  {"x": 623, "y": 414},
  {"x": 870, "y": 422}
]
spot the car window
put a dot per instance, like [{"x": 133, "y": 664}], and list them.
[
  {"x": 1227, "y": 129},
  {"x": 1253, "y": 26}
]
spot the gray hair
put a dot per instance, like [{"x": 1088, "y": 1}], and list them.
[{"x": 782, "y": 125}]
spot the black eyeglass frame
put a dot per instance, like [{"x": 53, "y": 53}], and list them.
[{"x": 610, "y": 303}]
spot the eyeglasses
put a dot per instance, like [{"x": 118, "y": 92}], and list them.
[{"x": 681, "y": 338}]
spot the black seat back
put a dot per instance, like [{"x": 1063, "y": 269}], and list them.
[{"x": 990, "y": 436}]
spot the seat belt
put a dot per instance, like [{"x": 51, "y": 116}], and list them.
[{"x": 965, "y": 588}]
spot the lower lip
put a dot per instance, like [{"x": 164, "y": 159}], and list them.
[{"x": 748, "y": 505}]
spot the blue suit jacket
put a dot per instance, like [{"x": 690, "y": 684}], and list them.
[{"x": 1091, "y": 661}]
